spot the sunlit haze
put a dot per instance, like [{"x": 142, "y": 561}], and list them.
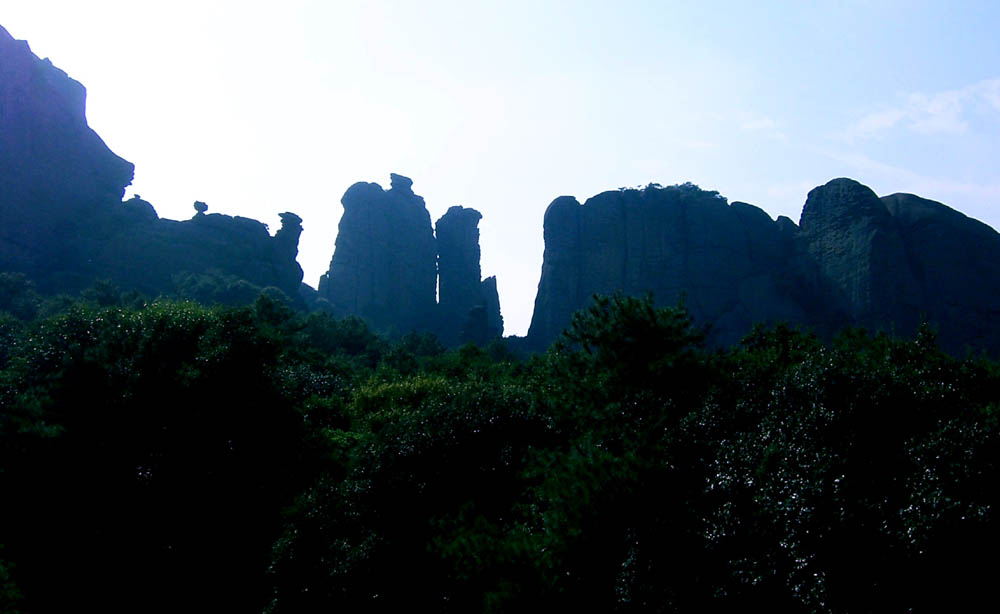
[{"x": 262, "y": 107}]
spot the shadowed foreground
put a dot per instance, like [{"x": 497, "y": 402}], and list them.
[{"x": 166, "y": 456}]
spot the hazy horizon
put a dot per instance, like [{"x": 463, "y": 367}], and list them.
[{"x": 258, "y": 110}]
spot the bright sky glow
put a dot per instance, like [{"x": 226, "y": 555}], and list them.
[{"x": 262, "y": 107}]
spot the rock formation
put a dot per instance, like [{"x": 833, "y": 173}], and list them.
[
  {"x": 148, "y": 253},
  {"x": 457, "y": 234},
  {"x": 50, "y": 162},
  {"x": 859, "y": 250},
  {"x": 388, "y": 264},
  {"x": 854, "y": 259},
  {"x": 954, "y": 261},
  {"x": 900, "y": 260},
  {"x": 460, "y": 289},
  {"x": 494, "y": 320},
  {"x": 882, "y": 263},
  {"x": 62, "y": 219},
  {"x": 384, "y": 263},
  {"x": 731, "y": 264}
]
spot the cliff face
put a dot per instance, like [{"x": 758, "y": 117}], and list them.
[
  {"x": 457, "y": 234},
  {"x": 860, "y": 253},
  {"x": 62, "y": 219},
  {"x": 388, "y": 265},
  {"x": 460, "y": 289},
  {"x": 732, "y": 264},
  {"x": 855, "y": 259},
  {"x": 899, "y": 260},
  {"x": 149, "y": 254},
  {"x": 384, "y": 263},
  {"x": 955, "y": 264},
  {"x": 51, "y": 162}
]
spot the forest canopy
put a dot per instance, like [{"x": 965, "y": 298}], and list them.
[{"x": 158, "y": 455}]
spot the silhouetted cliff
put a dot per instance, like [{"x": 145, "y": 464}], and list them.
[
  {"x": 56, "y": 174},
  {"x": 882, "y": 263},
  {"x": 855, "y": 259},
  {"x": 62, "y": 219}
]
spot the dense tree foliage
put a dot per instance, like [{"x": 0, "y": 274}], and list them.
[{"x": 165, "y": 456}]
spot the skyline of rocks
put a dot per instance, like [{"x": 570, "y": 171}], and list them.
[{"x": 854, "y": 259}]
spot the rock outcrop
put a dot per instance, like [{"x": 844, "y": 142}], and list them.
[
  {"x": 731, "y": 264},
  {"x": 384, "y": 263},
  {"x": 860, "y": 253},
  {"x": 855, "y": 259},
  {"x": 494, "y": 320},
  {"x": 51, "y": 162},
  {"x": 954, "y": 261},
  {"x": 900, "y": 260},
  {"x": 62, "y": 219},
  {"x": 883, "y": 263},
  {"x": 388, "y": 264},
  {"x": 148, "y": 254},
  {"x": 460, "y": 288}
]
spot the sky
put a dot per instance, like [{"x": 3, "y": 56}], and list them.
[{"x": 258, "y": 108}]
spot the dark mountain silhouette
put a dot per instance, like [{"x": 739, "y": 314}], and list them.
[
  {"x": 854, "y": 259},
  {"x": 62, "y": 219}
]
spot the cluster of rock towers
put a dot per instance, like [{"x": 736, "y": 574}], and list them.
[{"x": 392, "y": 269}]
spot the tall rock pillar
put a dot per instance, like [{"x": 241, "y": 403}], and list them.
[
  {"x": 383, "y": 267},
  {"x": 468, "y": 307}
]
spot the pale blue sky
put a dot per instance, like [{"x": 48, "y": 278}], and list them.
[{"x": 263, "y": 107}]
